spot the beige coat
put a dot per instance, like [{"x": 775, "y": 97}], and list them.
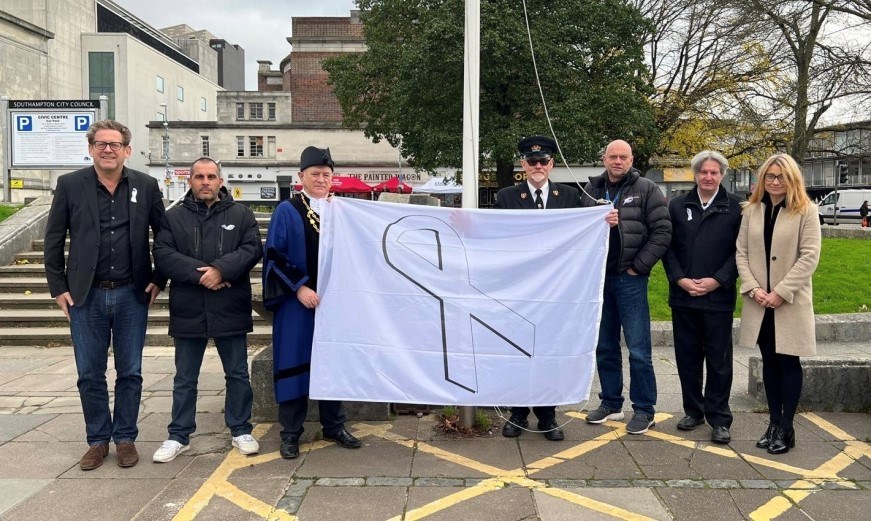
[{"x": 795, "y": 252}]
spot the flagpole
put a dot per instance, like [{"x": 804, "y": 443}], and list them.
[{"x": 471, "y": 88}]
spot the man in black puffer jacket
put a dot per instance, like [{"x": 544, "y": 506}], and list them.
[
  {"x": 636, "y": 244},
  {"x": 207, "y": 248}
]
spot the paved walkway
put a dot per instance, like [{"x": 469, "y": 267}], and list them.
[{"x": 408, "y": 470}]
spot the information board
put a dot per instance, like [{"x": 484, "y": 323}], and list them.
[{"x": 50, "y": 134}]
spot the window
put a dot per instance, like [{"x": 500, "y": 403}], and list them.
[
  {"x": 240, "y": 111},
  {"x": 271, "y": 111},
  {"x": 255, "y": 111},
  {"x": 203, "y": 104},
  {"x": 240, "y": 146},
  {"x": 179, "y": 92},
  {"x": 270, "y": 146},
  {"x": 255, "y": 146},
  {"x": 101, "y": 78},
  {"x": 205, "y": 142},
  {"x": 159, "y": 83}
]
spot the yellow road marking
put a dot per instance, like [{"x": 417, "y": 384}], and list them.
[
  {"x": 772, "y": 509},
  {"x": 592, "y": 504},
  {"x": 450, "y": 500},
  {"x": 832, "y": 429}
]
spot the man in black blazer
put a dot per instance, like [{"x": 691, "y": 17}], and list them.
[
  {"x": 106, "y": 283},
  {"x": 538, "y": 192}
]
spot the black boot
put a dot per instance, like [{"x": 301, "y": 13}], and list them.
[
  {"x": 781, "y": 441},
  {"x": 765, "y": 440}
]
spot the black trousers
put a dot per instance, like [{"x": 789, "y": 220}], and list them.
[
  {"x": 292, "y": 413},
  {"x": 781, "y": 375},
  {"x": 545, "y": 414},
  {"x": 703, "y": 347}
]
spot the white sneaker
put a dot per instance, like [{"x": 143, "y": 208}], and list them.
[
  {"x": 168, "y": 451},
  {"x": 246, "y": 444}
]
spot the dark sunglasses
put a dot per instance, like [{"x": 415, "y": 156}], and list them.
[{"x": 538, "y": 161}]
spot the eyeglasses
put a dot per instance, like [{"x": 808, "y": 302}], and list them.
[
  {"x": 770, "y": 178},
  {"x": 536, "y": 161},
  {"x": 114, "y": 145}
]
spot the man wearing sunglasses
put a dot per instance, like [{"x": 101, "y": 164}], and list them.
[
  {"x": 536, "y": 193},
  {"x": 105, "y": 285}
]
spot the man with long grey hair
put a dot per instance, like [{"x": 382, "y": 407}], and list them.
[{"x": 701, "y": 270}]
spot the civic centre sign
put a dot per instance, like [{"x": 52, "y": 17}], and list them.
[{"x": 50, "y": 134}]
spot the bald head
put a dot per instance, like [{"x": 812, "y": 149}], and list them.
[{"x": 617, "y": 159}]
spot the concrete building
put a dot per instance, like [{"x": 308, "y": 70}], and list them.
[
  {"x": 225, "y": 61},
  {"x": 258, "y": 144},
  {"x": 82, "y": 49}
]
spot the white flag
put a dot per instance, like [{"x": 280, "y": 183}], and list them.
[{"x": 422, "y": 304}]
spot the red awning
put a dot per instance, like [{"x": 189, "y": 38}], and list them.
[
  {"x": 393, "y": 185},
  {"x": 345, "y": 185}
]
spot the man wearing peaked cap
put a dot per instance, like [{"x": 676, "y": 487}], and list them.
[
  {"x": 290, "y": 276},
  {"x": 537, "y": 192}
]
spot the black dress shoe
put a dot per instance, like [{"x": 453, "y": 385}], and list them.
[
  {"x": 345, "y": 439},
  {"x": 514, "y": 426},
  {"x": 552, "y": 431},
  {"x": 781, "y": 441},
  {"x": 720, "y": 434},
  {"x": 289, "y": 449},
  {"x": 765, "y": 440},
  {"x": 688, "y": 423}
]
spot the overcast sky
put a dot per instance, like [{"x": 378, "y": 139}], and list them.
[{"x": 258, "y": 26}]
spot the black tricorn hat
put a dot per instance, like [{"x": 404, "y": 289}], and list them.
[
  {"x": 314, "y": 156},
  {"x": 536, "y": 146}
]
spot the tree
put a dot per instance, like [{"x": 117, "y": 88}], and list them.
[
  {"x": 407, "y": 87},
  {"x": 704, "y": 59},
  {"x": 819, "y": 61}
]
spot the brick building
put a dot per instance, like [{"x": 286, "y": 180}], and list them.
[{"x": 313, "y": 40}]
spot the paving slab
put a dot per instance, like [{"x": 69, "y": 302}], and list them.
[
  {"x": 805, "y": 455},
  {"x": 597, "y": 504},
  {"x": 31, "y": 460},
  {"x": 837, "y": 505},
  {"x": 375, "y": 458},
  {"x": 610, "y": 461},
  {"x": 749, "y": 501},
  {"x": 14, "y": 425},
  {"x": 40, "y": 382},
  {"x": 712, "y": 505},
  {"x": 358, "y": 503},
  {"x": 96, "y": 499},
  {"x": 17, "y": 490},
  {"x": 500, "y": 453},
  {"x": 504, "y": 504},
  {"x": 170, "y": 500}
]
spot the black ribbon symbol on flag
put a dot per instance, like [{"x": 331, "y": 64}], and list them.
[{"x": 415, "y": 246}]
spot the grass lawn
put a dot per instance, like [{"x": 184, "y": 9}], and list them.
[
  {"x": 7, "y": 210},
  {"x": 842, "y": 282}
]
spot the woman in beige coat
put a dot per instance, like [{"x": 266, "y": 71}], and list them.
[{"x": 777, "y": 252}]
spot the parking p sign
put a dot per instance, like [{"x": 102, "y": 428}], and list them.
[{"x": 51, "y": 134}]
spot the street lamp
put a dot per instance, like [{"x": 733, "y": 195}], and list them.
[{"x": 166, "y": 173}]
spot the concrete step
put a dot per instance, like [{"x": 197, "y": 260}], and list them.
[
  {"x": 57, "y": 336},
  {"x": 43, "y": 300},
  {"x": 39, "y": 244},
  {"x": 54, "y": 317},
  {"x": 34, "y": 269}
]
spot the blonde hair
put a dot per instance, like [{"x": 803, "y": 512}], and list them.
[{"x": 797, "y": 200}]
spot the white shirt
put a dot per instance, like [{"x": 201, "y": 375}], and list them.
[
  {"x": 706, "y": 205},
  {"x": 316, "y": 204},
  {"x": 544, "y": 192}
]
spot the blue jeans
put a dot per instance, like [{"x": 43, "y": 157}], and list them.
[
  {"x": 238, "y": 398},
  {"x": 625, "y": 305},
  {"x": 116, "y": 316}
]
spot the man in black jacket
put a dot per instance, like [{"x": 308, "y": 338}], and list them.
[
  {"x": 701, "y": 270},
  {"x": 207, "y": 248},
  {"x": 537, "y": 193},
  {"x": 635, "y": 245},
  {"x": 105, "y": 285}
]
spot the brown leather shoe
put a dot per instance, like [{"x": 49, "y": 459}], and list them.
[
  {"x": 126, "y": 454},
  {"x": 94, "y": 457}
]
